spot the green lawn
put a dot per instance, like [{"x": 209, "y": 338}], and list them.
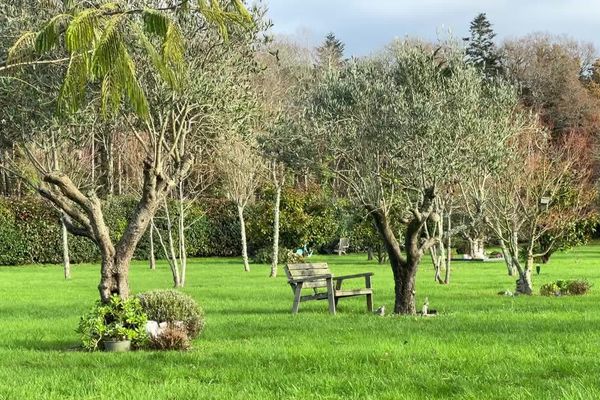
[{"x": 482, "y": 346}]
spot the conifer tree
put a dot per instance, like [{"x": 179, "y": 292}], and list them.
[
  {"x": 481, "y": 50},
  {"x": 331, "y": 53}
]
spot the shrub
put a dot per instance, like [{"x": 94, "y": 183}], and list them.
[
  {"x": 171, "y": 338},
  {"x": 172, "y": 306},
  {"x": 550, "y": 289},
  {"x": 118, "y": 319},
  {"x": 564, "y": 288},
  {"x": 579, "y": 287}
]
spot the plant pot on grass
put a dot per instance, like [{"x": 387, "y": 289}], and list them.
[
  {"x": 116, "y": 326},
  {"x": 116, "y": 346}
]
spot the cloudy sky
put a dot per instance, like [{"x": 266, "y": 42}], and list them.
[{"x": 365, "y": 25}]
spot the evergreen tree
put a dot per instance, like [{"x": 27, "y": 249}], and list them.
[
  {"x": 481, "y": 50},
  {"x": 331, "y": 53}
]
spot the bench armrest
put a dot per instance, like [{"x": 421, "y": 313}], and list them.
[
  {"x": 311, "y": 278},
  {"x": 336, "y": 278}
]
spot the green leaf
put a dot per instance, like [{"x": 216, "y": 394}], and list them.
[
  {"x": 73, "y": 87},
  {"x": 155, "y": 22},
  {"x": 81, "y": 33},
  {"x": 48, "y": 37},
  {"x": 22, "y": 47}
]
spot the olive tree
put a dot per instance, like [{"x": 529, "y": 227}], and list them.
[
  {"x": 397, "y": 127},
  {"x": 102, "y": 45}
]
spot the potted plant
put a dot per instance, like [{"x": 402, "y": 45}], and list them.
[{"x": 116, "y": 326}]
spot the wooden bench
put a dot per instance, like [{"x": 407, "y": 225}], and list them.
[
  {"x": 318, "y": 276},
  {"x": 342, "y": 246}
]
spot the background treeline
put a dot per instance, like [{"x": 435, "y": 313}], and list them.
[{"x": 30, "y": 231}]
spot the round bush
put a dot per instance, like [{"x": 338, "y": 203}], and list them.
[{"x": 172, "y": 306}]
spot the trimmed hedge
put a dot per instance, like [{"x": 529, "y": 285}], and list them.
[{"x": 30, "y": 229}]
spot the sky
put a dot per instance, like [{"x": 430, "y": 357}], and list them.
[{"x": 368, "y": 25}]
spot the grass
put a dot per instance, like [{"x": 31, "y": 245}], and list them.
[{"x": 482, "y": 346}]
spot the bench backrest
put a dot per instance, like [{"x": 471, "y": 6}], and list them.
[
  {"x": 299, "y": 271},
  {"x": 343, "y": 244}
]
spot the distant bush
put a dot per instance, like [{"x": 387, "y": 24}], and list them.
[
  {"x": 172, "y": 307},
  {"x": 564, "y": 288},
  {"x": 578, "y": 287}
]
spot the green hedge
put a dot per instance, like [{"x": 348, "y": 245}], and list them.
[{"x": 30, "y": 230}]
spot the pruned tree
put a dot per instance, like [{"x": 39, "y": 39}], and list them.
[{"x": 396, "y": 127}]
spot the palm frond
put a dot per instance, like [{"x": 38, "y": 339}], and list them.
[
  {"x": 155, "y": 22},
  {"x": 48, "y": 37},
  {"x": 23, "y": 47},
  {"x": 166, "y": 73},
  {"x": 109, "y": 47},
  {"x": 111, "y": 95},
  {"x": 81, "y": 33},
  {"x": 73, "y": 87}
]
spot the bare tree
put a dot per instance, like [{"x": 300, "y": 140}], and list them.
[
  {"x": 544, "y": 188},
  {"x": 241, "y": 167}
]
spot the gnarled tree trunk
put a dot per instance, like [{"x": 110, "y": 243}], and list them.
[
  {"x": 404, "y": 268},
  {"x": 84, "y": 217}
]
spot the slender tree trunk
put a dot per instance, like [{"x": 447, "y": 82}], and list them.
[
  {"x": 275, "y": 260},
  {"x": 369, "y": 254},
  {"x": 93, "y": 158},
  {"x": 243, "y": 236},
  {"x": 448, "y": 249},
  {"x": 172, "y": 254},
  {"x": 508, "y": 260},
  {"x": 182, "y": 246},
  {"x": 152, "y": 258},
  {"x": 119, "y": 175},
  {"x": 65, "y": 244}
]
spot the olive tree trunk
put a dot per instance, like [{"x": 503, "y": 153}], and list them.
[
  {"x": 404, "y": 266},
  {"x": 84, "y": 217}
]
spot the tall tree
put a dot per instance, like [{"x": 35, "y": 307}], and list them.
[
  {"x": 542, "y": 190},
  {"x": 330, "y": 55},
  {"x": 481, "y": 50},
  {"x": 103, "y": 44},
  {"x": 388, "y": 124}
]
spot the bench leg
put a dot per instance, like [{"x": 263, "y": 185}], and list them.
[
  {"x": 297, "y": 294},
  {"x": 369, "y": 296},
  {"x": 370, "y": 302},
  {"x": 331, "y": 296}
]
